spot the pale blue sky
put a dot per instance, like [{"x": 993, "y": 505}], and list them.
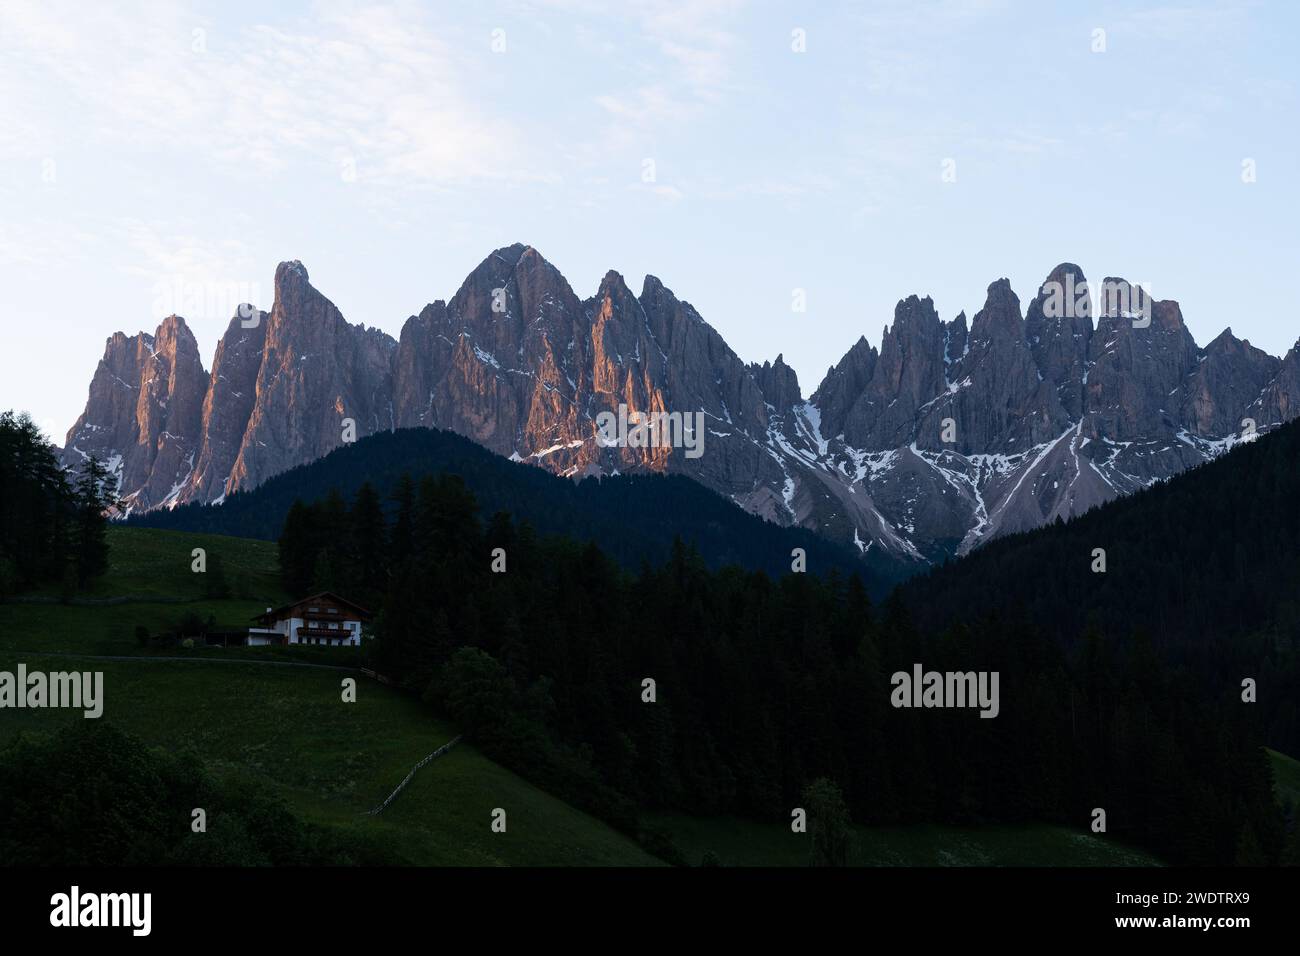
[{"x": 390, "y": 148}]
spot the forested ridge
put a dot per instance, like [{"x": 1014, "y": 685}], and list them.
[
  {"x": 1205, "y": 568},
  {"x": 633, "y": 518},
  {"x": 764, "y": 685}
]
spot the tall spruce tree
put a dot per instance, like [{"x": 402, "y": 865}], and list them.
[{"x": 91, "y": 529}]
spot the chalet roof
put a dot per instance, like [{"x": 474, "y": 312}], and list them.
[{"x": 322, "y": 597}]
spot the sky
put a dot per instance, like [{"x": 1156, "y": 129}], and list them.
[{"x": 755, "y": 156}]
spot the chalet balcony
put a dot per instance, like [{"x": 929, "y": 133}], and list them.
[{"x": 342, "y": 634}]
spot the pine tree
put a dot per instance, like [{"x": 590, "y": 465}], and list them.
[
  {"x": 369, "y": 539},
  {"x": 37, "y": 507},
  {"x": 93, "y": 502},
  {"x": 403, "y": 539},
  {"x": 297, "y": 550}
]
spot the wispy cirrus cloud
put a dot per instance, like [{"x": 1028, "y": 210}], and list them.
[
  {"x": 373, "y": 86},
  {"x": 672, "y": 61}
]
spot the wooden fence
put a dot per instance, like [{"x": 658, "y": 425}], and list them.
[{"x": 402, "y": 786}]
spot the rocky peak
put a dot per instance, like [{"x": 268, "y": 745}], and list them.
[
  {"x": 843, "y": 384},
  {"x": 143, "y": 414},
  {"x": 1228, "y": 377},
  {"x": 996, "y": 397},
  {"x": 291, "y": 271},
  {"x": 1140, "y": 358},
  {"x": 615, "y": 301},
  {"x": 1121, "y": 305},
  {"x": 320, "y": 379},
  {"x": 778, "y": 383},
  {"x": 624, "y": 359},
  {"x": 1058, "y": 329},
  {"x": 999, "y": 320},
  {"x": 1167, "y": 315},
  {"x": 956, "y": 338},
  {"x": 908, "y": 347},
  {"x": 908, "y": 373}
]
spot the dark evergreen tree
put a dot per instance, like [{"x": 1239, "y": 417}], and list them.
[
  {"x": 38, "y": 510},
  {"x": 298, "y": 550},
  {"x": 91, "y": 528},
  {"x": 369, "y": 540}
]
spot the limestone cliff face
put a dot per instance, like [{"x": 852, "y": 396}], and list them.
[
  {"x": 499, "y": 363},
  {"x": 1229, "y": 376},
  {"x": 518, "y": 363},
  {"x": 1279, "y": 400},
  {"x": 144, "y": 414},
  {"x": 320, "y": 379},
  {"x": 232, "y": 393},
  {"x": 952, "y": 433}
]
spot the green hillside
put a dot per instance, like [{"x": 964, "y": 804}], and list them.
[
  {"x": 152, "y": 563},
  {"x": 150, "y": 583},
  {"x": 285, "y": 729}
]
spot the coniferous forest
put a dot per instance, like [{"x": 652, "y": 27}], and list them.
[
  {"x": 1203, "y": 569},
  {"x": 625, "y": 514},
  {"x": 52, "y": 530},
  {"x": 540, "y": 649}
]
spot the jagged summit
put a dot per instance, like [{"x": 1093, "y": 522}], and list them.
[
  {"x": 291, "y": 269},
  {"x": 949, "y": 434},
  {"x": 1066, "y": 270}
]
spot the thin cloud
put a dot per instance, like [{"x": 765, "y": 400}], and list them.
[{"x": 371, "y": 86}]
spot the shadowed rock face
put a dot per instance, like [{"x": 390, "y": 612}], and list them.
[
  {"x": 232, "y": 393},
  {"x": 951, "y": 434},
  {"x": 1279, "y": 401}
]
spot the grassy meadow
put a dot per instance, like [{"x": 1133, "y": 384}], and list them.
[{"x": 286, "y": 729}]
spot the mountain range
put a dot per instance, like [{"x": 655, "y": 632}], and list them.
[{"x": 953, "y": 433}]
